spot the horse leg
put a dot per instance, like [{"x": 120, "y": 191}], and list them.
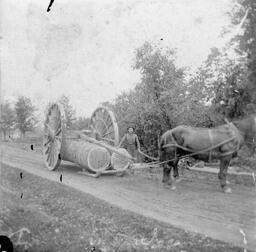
[
  {"x": 176, "y": 174},
  {"x": 166, "y": 173},
  {"x": 175, "y": 169},
  {"x": 166, "y": 176},
  {"x": 171, "y": 181},
  {"x": 224, "y": 163}
]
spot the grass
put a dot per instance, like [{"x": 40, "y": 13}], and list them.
[{"x": 55, "y": 217}]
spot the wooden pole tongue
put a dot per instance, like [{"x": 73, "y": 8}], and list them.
[{"x": 227, "y": 121}]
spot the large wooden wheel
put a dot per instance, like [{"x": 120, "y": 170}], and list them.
[
  {"x": 53, "y": 134},
  {"x": 104, "y": 126}
]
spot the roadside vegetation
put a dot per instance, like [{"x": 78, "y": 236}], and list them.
[{"x": 50, "y": 216}]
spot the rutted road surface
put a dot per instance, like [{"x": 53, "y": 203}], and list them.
[{"x": 196, "y": 205}]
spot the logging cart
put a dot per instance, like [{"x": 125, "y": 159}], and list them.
[{"x": 94, "y": 149}]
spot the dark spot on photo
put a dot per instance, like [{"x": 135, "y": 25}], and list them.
[
  {"x": 5, "y": 244},
  {"x": 31, "y": 147},
  {"x": 50, "y": 4},
  {"x": 61, "y": 178},
  {"x": 21, "y": 175}
]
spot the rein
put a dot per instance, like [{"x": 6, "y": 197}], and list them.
[
  {"x": 198, "y": 152},
  {"x": 144, "y": 154}
]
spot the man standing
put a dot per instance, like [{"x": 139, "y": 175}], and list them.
[{"x": 132, "y": 143}]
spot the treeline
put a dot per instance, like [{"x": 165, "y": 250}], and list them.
[
  {"x": 223, "y": 87},
  {"x": 22, "y": 116}
]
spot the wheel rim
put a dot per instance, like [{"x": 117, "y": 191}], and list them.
[{"x": 53, "y": 129}]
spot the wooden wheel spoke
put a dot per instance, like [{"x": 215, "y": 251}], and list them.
[
  {"x": 47, "y": 143},
  {"x": 50, "y": 160},
  {"x": 108, "y": 121},
  {"x": 47, "y": 148},
  {"x": 108, "y": 133},
  {"x": 58, "y": 137},
  {"x": 51, "y": 154},
  {"x": 48, "y": 151},
  {"x": 108, "y": 139},
  {"x": 50, "y": 130},
  {"x": 100, "y": 126},
  {"x": 58, "y": 132}
]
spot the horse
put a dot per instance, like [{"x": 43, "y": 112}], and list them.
[{"x": 222, "y": 143}]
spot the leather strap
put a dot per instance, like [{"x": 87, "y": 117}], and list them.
[{"x": 211, "y": 140}]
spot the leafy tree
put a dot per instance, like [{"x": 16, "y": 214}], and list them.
[
  {"x": 222, "y": 81},
  {"x": 247, "y": 40},
  {"x": 25, "y": 118},
  {"x": 159, "y": 74},
  {"x": 69, "y": 111},
  {"x": 7, "y": 118},
  {"x": 148, "y": 107}
]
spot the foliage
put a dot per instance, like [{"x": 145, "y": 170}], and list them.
[
  {"x": 81, "y": 123},
  {"x": 223, "y": 81},
  {"x": 25, "y": 118},
  {"x": 247, "y": 46},
  {"x": 162, "y": 100},
  {"x": 247, "y": 40},
  {"x": 7, "y": 118},
  {"x": 69, "y": 111}
]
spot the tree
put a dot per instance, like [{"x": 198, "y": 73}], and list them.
[
  {"x": 7, "y": 118},
  {"x": 149, "y": 107},
  {"x": 159, "y": 74},
  {"x": 69, "y": 111},
  {"x": 246, "y": 40},
  {"x": 222, "y": 81},
  {"x": 25, "y": 118}
]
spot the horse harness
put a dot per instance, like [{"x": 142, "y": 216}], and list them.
[
  {"x": 211, "y": 140},
  {"x": 232, "y": 128}
]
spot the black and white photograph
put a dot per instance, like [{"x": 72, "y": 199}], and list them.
[{"x": 128, "y": 125}]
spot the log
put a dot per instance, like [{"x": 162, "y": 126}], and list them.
[
  {"x": 120, "y": 162},
  {"x": 87, "y": 155},
  {"x": 108, "y": 147}
]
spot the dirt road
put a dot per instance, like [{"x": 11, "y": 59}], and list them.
[{"x": 197, "y": 204}]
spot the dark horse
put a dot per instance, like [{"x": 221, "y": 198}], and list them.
[{"x": 222, "y": 142}]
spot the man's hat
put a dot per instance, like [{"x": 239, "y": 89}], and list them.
[{"x": 131, "y": 127}]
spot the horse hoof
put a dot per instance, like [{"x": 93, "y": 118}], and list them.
[
  {"x": 131, "y": 171},
  {"x": 173, "y": 188},
  {"x": 164, "y": 180},
  {"x": 227, "y": 190},
  {"x": 178, "y": 180}
]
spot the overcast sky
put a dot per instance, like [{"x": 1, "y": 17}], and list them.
[{"x": 85, "y": 49}]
